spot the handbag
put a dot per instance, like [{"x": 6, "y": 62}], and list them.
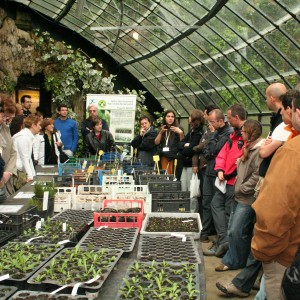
[
  {"x": 63, "y": 157},
  {"x": 19, "y": 180},
  {"x": 290, "y": 285},
  {"x": 195, "y": 186}
]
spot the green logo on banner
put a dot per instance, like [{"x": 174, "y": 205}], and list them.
[{"x": 102, "y": 104}]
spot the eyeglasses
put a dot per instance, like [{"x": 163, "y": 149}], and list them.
[
  {"x": 212, "y": 121},
  {"x": 92, "y": 110}
]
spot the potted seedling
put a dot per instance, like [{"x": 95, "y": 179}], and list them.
[{"x": 45, "y": 208}]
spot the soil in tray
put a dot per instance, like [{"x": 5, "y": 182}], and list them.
[
  {"x": 75, "y": 216},
  {"x": 112, "y": 238},
  {"x": 169, "y": 224}
]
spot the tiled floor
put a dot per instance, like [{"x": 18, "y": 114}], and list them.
[{"x": 210, "y": 262}]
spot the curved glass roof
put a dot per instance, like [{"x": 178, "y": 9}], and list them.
[{"x": 188, "y": 53}]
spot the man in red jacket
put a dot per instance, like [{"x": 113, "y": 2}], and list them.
[
  {"x": 277, "y": 229},
  {"x": 226, "y": 170}
]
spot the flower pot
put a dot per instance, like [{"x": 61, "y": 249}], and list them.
[{"x": 44, "y": 213}]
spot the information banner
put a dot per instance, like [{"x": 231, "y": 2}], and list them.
[{"x": 119, "y": 113}]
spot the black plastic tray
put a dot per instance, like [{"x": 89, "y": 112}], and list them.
[
  {"x": 168, "y": 248},
  {"x": 164, "y": 186},
  {"x": 18, "y": 222},
  {"x": 96, "y": 285},
  {"x": 6, "y": 235},
  {"x": 40, "y": 295},
  {"x": 113, "y": 238},
  {"x": 6, "y": 291},
  {"x": 75, "y": 217}
]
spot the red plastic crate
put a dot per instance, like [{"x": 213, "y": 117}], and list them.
[{"x": 120, "y": 219}]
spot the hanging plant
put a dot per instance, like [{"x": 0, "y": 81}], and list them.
[
  {"x": 69, "y": 73},
  {"x": 7, "y": 84}
]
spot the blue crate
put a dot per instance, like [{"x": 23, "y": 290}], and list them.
[
  {"x": 68, "y": 168},
  {"x": 101, "y": 173},
  {"x": 110, "y": 156}
]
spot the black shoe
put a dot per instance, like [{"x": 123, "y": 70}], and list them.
[{"x": 222, "y": 249}]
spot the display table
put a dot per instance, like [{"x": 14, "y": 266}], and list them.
[
  {"x": 20, "y": 199},
  {"x": 111, "y": 287}
]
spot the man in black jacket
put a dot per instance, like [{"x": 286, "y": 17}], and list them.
[
  {"x": 220, "y": 131},
  {"x": 86, "y": 126}
]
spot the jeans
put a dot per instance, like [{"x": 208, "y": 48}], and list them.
[
  {"x": 208, "y": 193},
  {"x": 220, "y": 207},
  {"x": 240, "y": 228},
  {"x": 261, "y": 294},
  {"x": 245, "y": 279}
]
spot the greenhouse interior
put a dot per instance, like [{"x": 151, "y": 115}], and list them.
[{"x": 159, "y": 131}]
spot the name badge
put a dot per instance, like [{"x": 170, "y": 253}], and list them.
[{"x": 165, "y": 149}]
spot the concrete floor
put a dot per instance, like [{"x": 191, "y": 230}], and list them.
[{"x": 212, "y": 292}]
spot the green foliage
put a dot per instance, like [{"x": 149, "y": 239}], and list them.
[
  {"x": 69, "y": 73},
  {"x": 7, "y": 84},
  {"x": 39, "y": 189}
]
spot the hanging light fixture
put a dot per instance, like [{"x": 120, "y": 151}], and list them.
[{"x": 135, "y": 35}]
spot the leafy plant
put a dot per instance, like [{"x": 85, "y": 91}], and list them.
[
  {"x": 69, "y": 72},
  {"x": 39, "y": 189}
]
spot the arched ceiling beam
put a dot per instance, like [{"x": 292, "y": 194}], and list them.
[
  {"x": 65, "y": 11},
  {"x": 217, "y": 7}
]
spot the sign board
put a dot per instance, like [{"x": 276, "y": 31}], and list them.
[{"x": 119, "y": 113}]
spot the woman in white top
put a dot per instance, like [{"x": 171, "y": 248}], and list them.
[{"x": 23, "y": 142}]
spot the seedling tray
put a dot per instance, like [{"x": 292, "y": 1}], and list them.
[
  {"x": 22, "y": 260},
  {"x": 72, "y": 264},
  {"x": 113, "y": 238},
  {"x": 168, "y": 248},
  {"x": 53, "y": 232},
  {"x": 28, "y": 295},
  {"x": 160, "y": 281},
  {"x": 165, "y": 224},
  {"x": 6, "y": 291},
  {"x": 75, "y": 217}
]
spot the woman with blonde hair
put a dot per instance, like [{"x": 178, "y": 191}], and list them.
[{"x": 23, "y": 142}]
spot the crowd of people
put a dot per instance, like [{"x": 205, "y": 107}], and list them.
[
  {"x": 248, "y": 182},
  {"x": 28, "y": 139},
  {"x": 249, "y": 199}
]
